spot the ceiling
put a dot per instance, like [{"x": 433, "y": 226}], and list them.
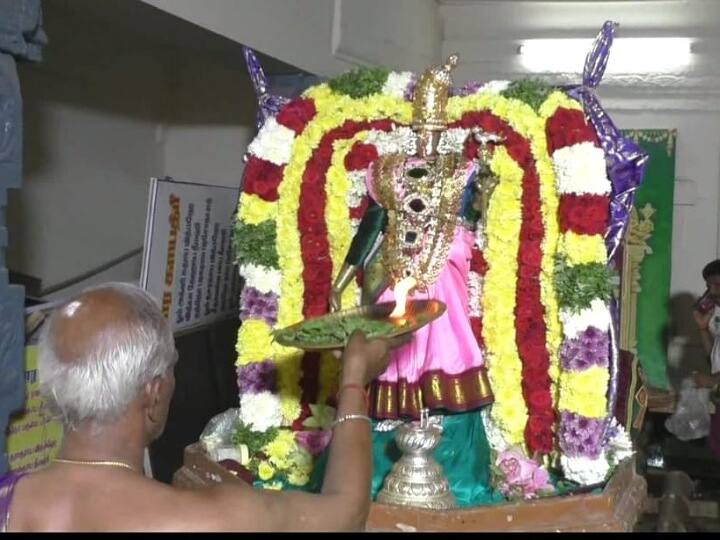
[{"x": 131, "y": 24}]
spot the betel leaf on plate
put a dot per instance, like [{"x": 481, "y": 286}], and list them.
[{"x": 323, "y": 331}]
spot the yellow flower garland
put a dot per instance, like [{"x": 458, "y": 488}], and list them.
[
  {"x": 523, "y": 119},
  {"x": 254, "y": 210},
  {"x": 499, "y": 292}
]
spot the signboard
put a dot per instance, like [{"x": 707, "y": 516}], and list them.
[
  {"x": 188, "y": 254},
  {"x": 33, "y": 435}
]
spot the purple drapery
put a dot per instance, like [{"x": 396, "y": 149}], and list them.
[{"x": 269, "y": 105}]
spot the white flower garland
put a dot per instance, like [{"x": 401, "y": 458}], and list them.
[
  {"x": 260, "y": 411},
  {"x": 397, "y": 83},
  {"x": 358, "y": 188},
  {"x": 452, "y": 141},
  {"x": 475, "y": 287},
  {"x": 581, "y": 169},
  {"x": 402, "y": 140},
  {"x": 273, "y": 143},
  {"x": 585, "y": 471},
  {"x": 597, "y": 315},
  {"x": 261, "y": 278},
  {"x": 494, "y": 436},
  {"x": 494, "y": 87}
]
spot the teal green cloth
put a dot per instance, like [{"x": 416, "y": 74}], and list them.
[{"x": 463, "y": 453}]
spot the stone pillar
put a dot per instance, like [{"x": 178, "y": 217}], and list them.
[{"x": 21, "y": 38}]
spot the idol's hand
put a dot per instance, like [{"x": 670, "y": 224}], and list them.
[{"x": 335, "y": 300}]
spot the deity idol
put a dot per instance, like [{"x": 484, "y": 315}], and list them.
[{"x": 428, "y": 207}]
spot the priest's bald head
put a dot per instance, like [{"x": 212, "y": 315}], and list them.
[{"x": 108, "y": 354}]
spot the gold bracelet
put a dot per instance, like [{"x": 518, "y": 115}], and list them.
[{"x": 346, "y": 417}]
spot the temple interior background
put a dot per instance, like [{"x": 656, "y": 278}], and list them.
[{"x": 133, "y": 89}]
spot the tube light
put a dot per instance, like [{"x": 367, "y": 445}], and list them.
[{"x": 627, "y": 55}]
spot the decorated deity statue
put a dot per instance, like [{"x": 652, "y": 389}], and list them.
[
  {"x": 428, "y": 207},
  {"x": 506, "y": 201},
  {"x": 428, "y": 204}
]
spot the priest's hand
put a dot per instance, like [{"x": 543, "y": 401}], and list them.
[{"x": 364, "y": 360}]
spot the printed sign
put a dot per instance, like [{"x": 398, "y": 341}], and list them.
[{"x": 188, "y": 255}]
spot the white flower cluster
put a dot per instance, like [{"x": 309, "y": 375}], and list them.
[
  {"x": 261, "y": 278},
  {"x": 400, "y": 140},
  {"x": 597, "y": 315},
  {"x": 260, "y": 411},
  {"x": 619, "y": 447},
  {"x": 358, "y": 188},
  {"x": 494, "y": 87},
  {"x": 273, "y": 143},
  {"x": 475, "y": 286},
  {"x": 581, "y": 169},
  {"x": 585, "y": 471},
  {"x": 452, "y": 141},
  {"x": 397, "y": 83},
  {"x": 494, "y": 435}
]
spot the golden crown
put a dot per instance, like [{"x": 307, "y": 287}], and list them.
[{"x": 431, "y": 96}]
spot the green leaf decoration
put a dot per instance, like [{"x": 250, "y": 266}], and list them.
[
  {"x": 531, "y": 91},
  {"x": 360, "y": 83},
  {"x": 577, "y": 286},
  {"x": 256, "y": 243},
  {"x": 254, "y": 440}
]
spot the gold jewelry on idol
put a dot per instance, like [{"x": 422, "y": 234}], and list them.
[{"x": 431, "y": 96}]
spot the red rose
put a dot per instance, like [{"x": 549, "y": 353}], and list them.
[
  {"x": 262, "y": 178},
  {"x": 476, "y": 325},
  {"x": 531, "y": 256},
  {"x": 311, "y": 214},
  {"x": 314, "y": 174},
  {"x": 323, "y": 154},
  {"x": 567, "y": 127},
  {"x": 584, "y": 214},
  {"x": 296, "y": 114},
  {"x": 478, "y": 263},
  {"x": 539, "y": 435},
  {"x": 314, "y": 246},
  {"x": 535, "y": 378},
  {"x": 359, "y": 211},
  {"x": 360, "y": 156},
  {"x": 539, "y": 399}
]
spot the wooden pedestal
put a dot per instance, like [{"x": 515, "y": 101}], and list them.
[{"x": 615, "y": 509}]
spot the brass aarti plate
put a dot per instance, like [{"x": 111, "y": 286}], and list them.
[{"x": 418, "y": 314}]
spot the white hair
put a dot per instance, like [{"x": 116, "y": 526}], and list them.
[{"x": 103, "y": 380}]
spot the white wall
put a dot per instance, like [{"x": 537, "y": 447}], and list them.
[
  {"x": 324, "y": 37},
  {"x": 210, "y": 124},
  {"x": 487, "y": 35},
  {"x": 90, "y": 146},
  {"x": 298, "y": 32},
  {"x": 103, "y": 114}
]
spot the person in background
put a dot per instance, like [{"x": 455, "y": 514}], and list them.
[
  {"x": 707, "y": 318},
  {"x": 106, "y": 363}
]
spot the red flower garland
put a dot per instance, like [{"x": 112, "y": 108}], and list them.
[
  {"x": 297, "y": 114},
  {"x": 584, "y": 214},
  {"x": 317, "y": 271},
  {"x": 530, "y": 329},
  {"x": 262, "y": 178},
  {"x": 567, "y": 127}
]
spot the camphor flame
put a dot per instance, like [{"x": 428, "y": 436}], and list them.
[{"x": 401, "y": 290}]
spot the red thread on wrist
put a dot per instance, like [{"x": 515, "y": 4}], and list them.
[{"x": 356, "y": 387}]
